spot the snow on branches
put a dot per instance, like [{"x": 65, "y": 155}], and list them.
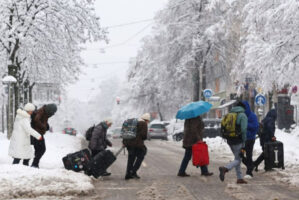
[{"x": 43, "y": 37}]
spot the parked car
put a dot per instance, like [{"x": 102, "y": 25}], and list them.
[
  {"x": 212, "y": 129},
  {"x": 69, "y": 131},
  {"x": 157, "y": 130},
  {"x": 114, "y": 133}
]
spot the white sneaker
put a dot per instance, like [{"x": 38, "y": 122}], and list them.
[{"x": 247, "y": 176}]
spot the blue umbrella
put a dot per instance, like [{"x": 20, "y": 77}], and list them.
[{"x": 193, "y": 110}]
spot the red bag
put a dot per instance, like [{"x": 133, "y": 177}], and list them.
[{"x": 200, "y": 154}]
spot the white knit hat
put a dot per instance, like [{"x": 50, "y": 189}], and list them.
[
  {"x": 108, "y": 121},
  {"x": 29, "y": 107},
  {"x": 146, "y": 116}
]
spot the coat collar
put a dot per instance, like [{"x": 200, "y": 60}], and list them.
[{"x": 22, "y": 113}]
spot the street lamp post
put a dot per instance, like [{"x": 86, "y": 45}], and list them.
[{"x": 9, "y": 80}]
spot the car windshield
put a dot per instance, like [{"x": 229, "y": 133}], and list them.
[{"x": 161, "y": 126}]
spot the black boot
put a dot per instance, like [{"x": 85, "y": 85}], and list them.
[{"x": 222, "y": 171}]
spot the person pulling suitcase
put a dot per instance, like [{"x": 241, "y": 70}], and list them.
[{"x": 99, "y": 141}]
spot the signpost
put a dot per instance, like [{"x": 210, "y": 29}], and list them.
[
  {"x": 260, "y": 100},
  {"x": 207, "y": 93}
]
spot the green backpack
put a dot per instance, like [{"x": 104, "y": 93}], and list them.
[{"x": 229, "y": 127}]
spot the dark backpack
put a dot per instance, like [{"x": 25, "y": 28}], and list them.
[
  {"x": 88, "y": 133},
  {"x": 229, "y": 127},
  {"x": 129, "y": 129}
]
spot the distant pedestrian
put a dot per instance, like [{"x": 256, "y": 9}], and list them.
[
  {"x": 267, "y": 134},
  {"x": 136, "y": 148},
  {"x": 19, "y": 147},
  {"x": 236, "y": 144},
  {"x": 193, "y": 132},
  {"x": 40, "y": 124},
  {"x": 99, "y": 140},
  {"x": 252, "y": 129}
]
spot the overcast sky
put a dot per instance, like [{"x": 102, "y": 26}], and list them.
[{"x": 123, "y": 44}]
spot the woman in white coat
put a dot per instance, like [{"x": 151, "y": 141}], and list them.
[{"x": 20, "y": 147}]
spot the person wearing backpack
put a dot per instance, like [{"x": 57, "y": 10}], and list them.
[
  {"x": 252, "y": 129},
  {"x": 99, "y": 141},
  {"x": 136, "y": 148},
  {"x": 267, "y": 134},
  {"x": 234, "y": 128},
  {"x": 193, "y": 132}
]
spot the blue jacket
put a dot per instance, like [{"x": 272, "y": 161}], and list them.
[
  {"x": 268, "y": 127},
  {"x": 253, "y": 124}
]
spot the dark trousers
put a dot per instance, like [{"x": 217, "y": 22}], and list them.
[
  {"x": 17, "y": 161},
  {"x": 40, "y": 149},
  {"x": 94, "y": 152},
  {"x": 248, "y": 159},
  {"x": 260, "y": 159},
  {"x": 135, "y": 157},
  {"x": 185, "y": 162}
]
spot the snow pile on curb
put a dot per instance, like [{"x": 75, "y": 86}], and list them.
[
  {"x": 17, "y": 181},
  {"x": 20, "y": 181}
]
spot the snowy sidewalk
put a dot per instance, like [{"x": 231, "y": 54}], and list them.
[{"x": 18, "y": 181}]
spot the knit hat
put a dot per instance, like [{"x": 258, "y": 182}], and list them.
[
  {"x": 29, "y": 107},
  {"x": 108, "y": 121},
  {"x": 50, "y": 109},
  {"x": 146, "y": 116}
]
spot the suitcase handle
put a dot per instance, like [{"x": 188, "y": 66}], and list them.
[{"x": 119, "y": 151}]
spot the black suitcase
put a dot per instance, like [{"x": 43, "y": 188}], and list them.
[
  {"x": 77, "y": 161},
  {"x": 274, "y": 156},
  {"x": 99, "y": 163}
]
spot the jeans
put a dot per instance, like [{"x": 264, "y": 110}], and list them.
[
  {"x": 17, "y": 161},
  {"x": 185, "y": 162},
  {"x": 236, "y": 149},
  {"x": 40, "y": 149},
  {"x": 135, "y": 158},
  {"x": 248, "y": 160}
]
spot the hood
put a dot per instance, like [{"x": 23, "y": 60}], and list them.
[
  {"x": 237, "y": 109},
  {"x": 272, "y": 114},
  {"x": 50, "y": 109},
  {"x": 22, "y": 113},
  {"x": 247, "y": 110}
]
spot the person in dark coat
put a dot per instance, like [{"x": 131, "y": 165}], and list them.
[
  {"x": 98, "y": 141},
  {"x": 39, "y": 123},
  {"x": 193, "y": 132},
  {"x": 267, "y": 134},
  {"x": 136, "y": 148},
  {"x": 252, "y": 129}
]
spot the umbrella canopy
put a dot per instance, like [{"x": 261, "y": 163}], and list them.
[{"x": 193, "y": 110}]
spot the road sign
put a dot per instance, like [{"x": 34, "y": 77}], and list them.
[
  {"x": 207, "y": 93},
  {"x": 260, "y": 100}
]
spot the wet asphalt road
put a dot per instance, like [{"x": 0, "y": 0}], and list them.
[{"x": 159, "y": 181}]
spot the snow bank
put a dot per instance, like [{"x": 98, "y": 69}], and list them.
[{"x": 51, "y": 179}]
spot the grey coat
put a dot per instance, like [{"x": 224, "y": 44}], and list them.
[{"x": 99, "y": 141}]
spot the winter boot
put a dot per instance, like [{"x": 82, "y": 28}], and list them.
[
  {"x": 222, "y": 171},
  {"x": 207, "y": 174},
  {"x": 183, "y": 174},
  {"x": 241, "y": 181}
]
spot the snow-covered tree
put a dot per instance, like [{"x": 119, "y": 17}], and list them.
[
  {"x": 270, "y": 48},
  {"x": 43, "y": 37}
]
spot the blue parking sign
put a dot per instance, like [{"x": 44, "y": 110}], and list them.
[
  {"x": 260, "y": 100},
  {"x": 207, "y": 93}
]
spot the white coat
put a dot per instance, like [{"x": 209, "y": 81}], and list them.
[{"x": 20, "y": 146}]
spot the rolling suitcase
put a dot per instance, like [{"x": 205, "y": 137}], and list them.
[
  {"x": 274, "y": 156},
  {"x": 99, "y": 164},
  {"x": 77, "y": 161},
  {"x": 200, "y": 154}
]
